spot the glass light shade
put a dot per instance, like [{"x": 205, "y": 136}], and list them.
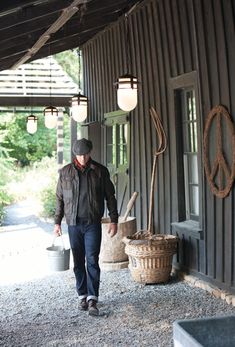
[
  {"x": 79, "y": 107},
  {"x": 51, "y": 114},
  {"x": 32, "y": 124},
  {"x": 127, "y": 92}
]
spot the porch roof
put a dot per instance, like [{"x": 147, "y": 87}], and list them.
[{"x": 33, "y": 29}]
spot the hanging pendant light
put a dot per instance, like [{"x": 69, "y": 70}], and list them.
[
  {"x": 51, "y": 115},
  {"x": 79, "y": 102},
  {"x": 50, "y": 112},
  {"x": 79, "y": 107},
  {"x": 31, "y": 124},
  {"x": 127, "y": 85}
]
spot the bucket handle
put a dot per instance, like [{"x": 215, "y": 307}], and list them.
[{"x": 61, "y": 238}]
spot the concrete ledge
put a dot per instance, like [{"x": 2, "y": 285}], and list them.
[{"x": 216, "y": 292}]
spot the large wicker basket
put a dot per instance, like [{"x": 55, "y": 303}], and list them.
[{"x": 150, "y": 256}]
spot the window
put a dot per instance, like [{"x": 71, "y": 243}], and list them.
[
  {"x": 117, "y": 149},
  {"x": 117, "y": 145},
  {"x": 188, "y": 151},
  {"x": 117, "y": 140},
  {"x": 188, "y": 217}
]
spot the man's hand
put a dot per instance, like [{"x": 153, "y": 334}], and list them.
[
  {"x": 57, "y": 230},
  {"x": 112, "y": 229}
]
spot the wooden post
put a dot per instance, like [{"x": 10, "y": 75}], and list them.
[
  {"x": 60, "y": 137},
  {"x": 73, "y": 134}
]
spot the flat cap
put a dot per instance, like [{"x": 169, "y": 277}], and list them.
[{"x": 82, "y": 146}]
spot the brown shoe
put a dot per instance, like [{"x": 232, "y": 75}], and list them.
[
  {"x": 92, "y": 308},
  {"x": 83, "y": 305}
]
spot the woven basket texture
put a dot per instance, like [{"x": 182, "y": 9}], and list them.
[{"x": 150, "y": 259}]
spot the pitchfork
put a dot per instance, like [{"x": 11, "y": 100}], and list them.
[{"x": 162, "y": 143}]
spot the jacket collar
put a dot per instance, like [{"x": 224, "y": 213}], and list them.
[{"x": 83, "y": 168}]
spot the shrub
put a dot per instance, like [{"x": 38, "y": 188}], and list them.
[
  {"x": 2, "y": 213},
  {"x": 5, "y": 199},
  {"x": 48, "y": 200},
  {"x": 6, "y": 168},
  {"x": 30, "y": 181}
]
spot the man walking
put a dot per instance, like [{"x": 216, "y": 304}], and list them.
[{"x": 82, "y": 188}]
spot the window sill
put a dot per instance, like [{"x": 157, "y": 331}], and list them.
[{"x": 190, "y": 227}]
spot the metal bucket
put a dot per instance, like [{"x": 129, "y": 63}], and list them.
[
  {"x": 58, "y": 258},
  {"x": 112, "y": 248}
]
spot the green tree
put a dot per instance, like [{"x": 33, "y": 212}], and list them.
[
  {"x": 69, "y": 62},
  {"x": 24, "y": 147}
]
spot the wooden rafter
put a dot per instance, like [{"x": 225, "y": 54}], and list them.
[
  {"x": 64, "y": 17},
  {"x": 29, "y": 27}
]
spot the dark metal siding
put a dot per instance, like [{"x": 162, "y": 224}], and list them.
[{"x": 170, "y": 38}]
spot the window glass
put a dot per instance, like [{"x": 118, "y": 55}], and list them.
[
  {"x": 111, "y": 139},
  {"x": 194, "y": 200},
  {"x": 193, "y": 169},
  {"x": 122, "y": 143},
  {"x": 190, "y": 156},
  {"x": 117, "y": 142}
]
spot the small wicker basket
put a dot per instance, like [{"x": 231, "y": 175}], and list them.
[{"x": 150, "y": 256}]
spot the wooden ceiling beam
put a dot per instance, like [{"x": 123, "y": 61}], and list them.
[
  {"x": 66, "y": 15},
  {"x": 31, "y": 29},
  {"x": 8, "y": 53},
  {"x": 70, "y": 42},
  {"x": 6, "y": 63},
  {"x": 108, "y": 6},
  {"x": 93, "y": 23},
  {"x": 69, "y": 38},
  {"x": 35, "y": 101},
  {"x": 11, "y": 6},
  {"x": 32, "y": 13},
  {"x": 21, "y": 46},
  {"x": 24, "y": 40},
  {"x": 27, "y": 27}
]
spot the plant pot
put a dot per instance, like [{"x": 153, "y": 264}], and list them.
[{"x": 150, "y": 256}]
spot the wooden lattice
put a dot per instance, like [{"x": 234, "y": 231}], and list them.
[
  {"x": 42, "y": 77},
  {"x": 219, "y": 168}
]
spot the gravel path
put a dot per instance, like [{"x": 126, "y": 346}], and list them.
[{"x": 41, "y": 309}]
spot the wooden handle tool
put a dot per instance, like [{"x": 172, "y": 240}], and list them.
[{"x": 130, "y": 205}]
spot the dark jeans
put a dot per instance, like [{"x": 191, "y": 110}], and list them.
[{"x": 85, "y": 240}]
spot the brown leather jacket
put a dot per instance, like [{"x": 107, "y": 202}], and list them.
[{"x": 100, "y": 188}]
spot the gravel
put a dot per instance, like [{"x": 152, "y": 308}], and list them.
[
  {"x": 44, "y": 312},
  {"x": 40, "y": 308}
]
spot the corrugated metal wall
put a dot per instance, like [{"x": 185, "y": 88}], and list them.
[{"x": 170, "y": 38}]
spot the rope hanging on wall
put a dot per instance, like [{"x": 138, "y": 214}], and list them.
[{"x": 219, "y": 151}]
